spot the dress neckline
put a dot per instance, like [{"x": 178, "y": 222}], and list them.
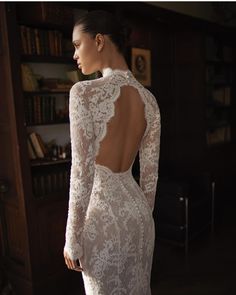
[{"x": 109, "y": 71}]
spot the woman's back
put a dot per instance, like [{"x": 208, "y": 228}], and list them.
[
  {"x": 124, "y": 131},
  {"x": 112, "y": 118}
]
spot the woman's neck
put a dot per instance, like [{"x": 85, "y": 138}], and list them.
[
  {"x": 113, "y": 59},
  {"x": 117, "y": 63}
]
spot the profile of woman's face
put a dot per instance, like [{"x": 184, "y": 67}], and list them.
[{"x": 86, "y": 53}]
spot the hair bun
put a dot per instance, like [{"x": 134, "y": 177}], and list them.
[{"x": 99, "y": 21}]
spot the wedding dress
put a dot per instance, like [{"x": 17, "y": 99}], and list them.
[{"x": 110, "y": 227}]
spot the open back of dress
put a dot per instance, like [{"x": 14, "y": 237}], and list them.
[
  {"x": 125, "y": 130},
  {"x": 110, "y": 226}
]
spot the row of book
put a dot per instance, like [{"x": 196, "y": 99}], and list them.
[
  {"x": 41, "y": 109},
  {"x": 51, "y": 182},
  {"x": 219, "y": 135},
  {"x": 38, "y": 150},
  {"x": 36, "y": 41},
  {"x": 216, "y": 50},
  {"x": 219, "y": 74},
  {"x": 222, "y": 96}
]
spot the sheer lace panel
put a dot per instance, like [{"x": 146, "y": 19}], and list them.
[
  {"x": 149, "y": 156},
  {"x": 82, "y": 169}
]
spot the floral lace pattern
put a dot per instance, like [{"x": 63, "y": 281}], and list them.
[{"x": 110, "y": 227}]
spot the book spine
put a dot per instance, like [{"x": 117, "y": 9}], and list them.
[
  {"x": 35, "y": 186},
  {"x": 42, "y": 146},
  {"x": 52, "y": 109},
  {"x": 60, "y": 44},
  {"x": 51, "y": 42},
  {"x": 37, "y": 42},
  {"x": 32, "y": 146},
  {"x": 28, "y": 40},
  {"x": 31, "y": 152},
  {"x": 48, "y": 109},
  {"x": 42, "y": 42},
  {"x": 33, "y": 42},
  {"x": 23, "y": 33},
  {"x": 36, "y": 145},
  {"x": 49, "y": 183}
]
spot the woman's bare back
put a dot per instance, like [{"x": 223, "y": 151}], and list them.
[{"x": 124, "y": 132}]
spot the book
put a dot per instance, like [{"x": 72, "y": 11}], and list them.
[
  {"x": 51, "y": 42},
  {"x": 37, "y": 42},
  {"x": 37, "y": 146},
  {"x": 222, "y": 96},
  {"x": 29, "y": 80},
  {"x": 40, "y": 141},
  {"x": 31, "y": 151},
  {"x": 37, "y": 109},
  {"x": 219, "y": 136},
  {"x": 23, "y": 34},
  {"x": 227, "y": 96}
]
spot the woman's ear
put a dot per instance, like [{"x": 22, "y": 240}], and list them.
[{"x": 100, "y": 41}]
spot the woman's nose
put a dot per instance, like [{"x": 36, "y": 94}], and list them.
[{"x": 75, "y": 56}]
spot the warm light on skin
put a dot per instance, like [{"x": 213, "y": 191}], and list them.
[
  {"x": 95, "y": 54},
  {"x": 86, "y": 51}
]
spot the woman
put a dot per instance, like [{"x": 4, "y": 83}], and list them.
[{"x": 110, "y": 228}]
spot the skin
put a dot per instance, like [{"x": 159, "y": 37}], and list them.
[
  {"x": 96, "y": 54},
  {"x": 92, "y": 55}
]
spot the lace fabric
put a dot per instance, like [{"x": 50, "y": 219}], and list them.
[{"x": 110, "y": 226}]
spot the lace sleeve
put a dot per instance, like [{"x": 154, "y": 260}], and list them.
[
  {"x": 149, "y": 158},
  {"x": 82, "y": 169}
]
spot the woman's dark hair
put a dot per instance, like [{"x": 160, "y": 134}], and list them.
[{"x": 103, "y": 22}]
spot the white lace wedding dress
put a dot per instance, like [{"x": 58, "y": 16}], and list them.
[{"x": 110, "y": 227}]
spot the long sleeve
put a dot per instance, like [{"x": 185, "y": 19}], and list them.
[
  {"x": 82, "y": 169},
  {"x": 149, "y": 157}
]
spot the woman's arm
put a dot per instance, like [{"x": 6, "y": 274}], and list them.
[
  {"x": 82, "y": 170},
  {"x": 149, "y": 157}
]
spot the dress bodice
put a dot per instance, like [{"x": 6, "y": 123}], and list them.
[{"x": 99, "y": 96}]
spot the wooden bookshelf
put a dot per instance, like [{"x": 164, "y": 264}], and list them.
[
  {"x": 46, "y": 59},
  {"x": 220, "y": 73},
  {"x": 37, "y": 212}
]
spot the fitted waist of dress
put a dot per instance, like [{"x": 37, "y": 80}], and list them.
[
  {"x": 108, "y": 171},
  {"x": 106, "y": 177},
  {"x": 116, "y": 186}
]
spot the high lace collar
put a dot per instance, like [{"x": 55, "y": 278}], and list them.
[{"x": 109, "y": 71}]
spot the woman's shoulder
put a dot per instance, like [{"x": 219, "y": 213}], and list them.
[
  {"x": 79, "y": 87},
  {"x": 82, "y": 87},
  {"x": 87, "y": 92}
]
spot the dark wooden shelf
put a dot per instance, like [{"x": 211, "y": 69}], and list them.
[
  {"x": 220, "y": 146},
  {"x": 48, "y": 123},
  {"x": 44, "y": 92},
  {"x": 48, "y": 162},
  {"x": 220, "y": 83},
  {"x": 212, "y": 105},
  {"x": 47, "y": 59},
  {"x": 221, "y": 63},
  {"x": 217, "y": 125}
]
